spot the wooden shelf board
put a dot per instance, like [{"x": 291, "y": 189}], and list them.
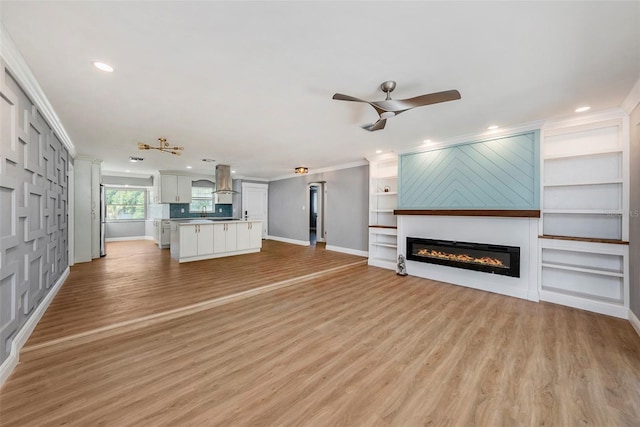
[
  {"x": 583, "y": 239},
  {"x": 395, "y": 227},
  {"x": 518, "y": 213},
  {"x": 386, "y": 193}
]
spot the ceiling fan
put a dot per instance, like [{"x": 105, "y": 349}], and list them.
[
  {"x": 392, "y": 107},
  {"x": 163, "y": 146}
]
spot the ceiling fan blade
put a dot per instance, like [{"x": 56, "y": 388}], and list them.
[
  {"x": 375, "y": 126},
  {"x": 341, "y": 97},
  {"x": 432, "y": 98}
]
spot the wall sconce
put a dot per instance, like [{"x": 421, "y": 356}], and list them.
[{"x": 301, "y": 170}]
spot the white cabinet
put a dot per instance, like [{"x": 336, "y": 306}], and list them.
[
  {"x": 383, "y": 199},
  {"x": 157, "y": 228},
  {"x": 196, "y": 240},
  {"x": 174, "y": 189},
  {"x": 225, "y": 238},
  {"x": 202, "y": 239},
  {"x": 249, "y": 235}
]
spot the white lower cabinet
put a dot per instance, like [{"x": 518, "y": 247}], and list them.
[
  {"x": 208, "y": 239},
  {"x": 225, "y": 239},
  {"x": 249, "y": 235},
  {"x": 196, "y": 240}
]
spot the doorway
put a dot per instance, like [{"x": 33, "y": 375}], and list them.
[{"x": 317, "y": 201}]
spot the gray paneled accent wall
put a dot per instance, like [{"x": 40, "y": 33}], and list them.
[
  {"x": 346, "y": 212},
  {"x": 33, "y": 209},
  {"x": 634, "y": 215}
]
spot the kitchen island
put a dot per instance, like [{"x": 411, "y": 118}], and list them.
[{"x": 195, "y": 240}]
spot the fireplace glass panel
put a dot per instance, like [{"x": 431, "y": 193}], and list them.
[{"x": 503, "y": 260}]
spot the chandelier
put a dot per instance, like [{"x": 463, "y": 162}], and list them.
[{"x": 163, "y": 146}]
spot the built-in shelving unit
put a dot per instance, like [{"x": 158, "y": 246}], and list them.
[
  {"x": 383, "y": 200},
  {"x": 584, "y": 230}
]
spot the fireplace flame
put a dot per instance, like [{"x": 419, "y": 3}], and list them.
[{"x": 432, "y": 253}]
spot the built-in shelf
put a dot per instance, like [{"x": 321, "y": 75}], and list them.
[
  {"x": 568, "y": 267},
  {"x": 582, "y": 154},
  {"x": 584, "y": 183},
  {"x": 583, "y": 211},
  {"x": 583, "y": 244},
  {"x": 584, "y": 239},
  {"x": 383, "y": 199},
  {"x": 385, "y": 245}
]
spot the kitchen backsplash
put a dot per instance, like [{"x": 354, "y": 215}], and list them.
[{"x": 221, "y": 210}]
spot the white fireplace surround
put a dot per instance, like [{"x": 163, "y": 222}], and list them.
[{"x": 520, "y": 232}]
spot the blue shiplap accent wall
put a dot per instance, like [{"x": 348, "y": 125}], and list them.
[{"x": 501, "y": 173}]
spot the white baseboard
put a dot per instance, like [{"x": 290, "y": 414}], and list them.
[
  {"x": 347, "y": 251},
  {"x": 635, "y": 322},
  {"x": 124, "y": 239},
  {"x": 287, "y": 240},
  {"x": 23, "y": 335}
]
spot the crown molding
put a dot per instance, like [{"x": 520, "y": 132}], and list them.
[
  {"x": 20, "y": 70},
  {"x": 355, "y": 164},
  {"x": 633, "y": 99},
  {"x": 583, "y": 119}
]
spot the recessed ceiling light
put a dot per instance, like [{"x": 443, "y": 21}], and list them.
[
  {"x": 208, "y": 160},
  {"x": 582, "y": 109},
  {"x": 378, "y": 151},
  {"x": 492, "y": 127},
  {"x": 188, "y": 167},
  {"x": 103, "y": 67},
  {"x": 233, "y": 171},
  {"x": 135, "y": 159},
  {"x": 127, "y": 170}
]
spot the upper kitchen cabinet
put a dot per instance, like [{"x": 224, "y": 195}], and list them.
[{"x": 173, "y": 189}]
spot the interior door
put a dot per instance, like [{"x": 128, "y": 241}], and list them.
[{"x": 255, "y": 204}]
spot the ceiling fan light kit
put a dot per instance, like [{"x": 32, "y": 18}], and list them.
[
  {"x": 390, "y": 107},
  {"x": 163, "y": 146}
]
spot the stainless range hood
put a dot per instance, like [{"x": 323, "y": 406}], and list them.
[{"x": 224, "y": 184}]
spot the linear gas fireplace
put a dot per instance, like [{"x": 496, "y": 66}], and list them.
[{"x": 496, "y": 259}]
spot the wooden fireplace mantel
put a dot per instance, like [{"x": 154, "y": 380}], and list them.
[{"x": 515, "y": 213}]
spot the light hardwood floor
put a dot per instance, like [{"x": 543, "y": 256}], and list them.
[{"x": 355, "y": 346}]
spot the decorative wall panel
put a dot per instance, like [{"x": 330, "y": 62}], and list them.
[
  {"x": 501, "y": 173},
  {"x": 33, "y": 209}
]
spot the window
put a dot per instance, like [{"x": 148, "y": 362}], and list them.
[
  {"x": 201, "y": 196},
  {"x": 125, "y": 203}
]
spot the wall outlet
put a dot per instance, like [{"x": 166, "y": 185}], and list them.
[
  {"x": 220, "y": 210},
  {"x": 181, "y": 210}
]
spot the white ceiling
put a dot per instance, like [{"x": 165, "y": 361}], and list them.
[{"x": 250, "y": 83}]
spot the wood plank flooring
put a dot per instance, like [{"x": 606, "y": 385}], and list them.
[
  {"x": 137, "y": 279},
  {"x": 359, "y": 346}
]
